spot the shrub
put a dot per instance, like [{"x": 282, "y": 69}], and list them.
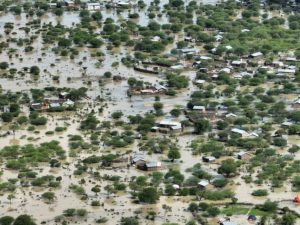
[{"x": 260, "y": 192}]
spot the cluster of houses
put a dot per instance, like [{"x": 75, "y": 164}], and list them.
[
  {"x": 199, "y": 112},
  {"x": 91, "y": 6},
  {"x": 139, "y": 160},
  {"x": 53, "y": 103},
  {"x": 168, "y": 126},
  {"x": 156, "y": 89}
]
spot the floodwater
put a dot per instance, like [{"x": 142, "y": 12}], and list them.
[{"x": 51, "y": 65}]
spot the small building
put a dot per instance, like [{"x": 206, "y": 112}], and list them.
[
  {"x": 169, "y": 124},
  {"x": 69, "y": 3},
  {"x": 199, "y": 82},
  {"x": 291, "y": 59},
  {"x": 68, "y": 103},
  {"x": 122, "y": 4},
  {"x": 93, "y": 6},
  {"x": 218, "y": 177},
  {"x": 160, "y": 88},
  {"x": 188, "y": 51},
  {"x": 225, "y": 70},
  {"x": 245, "y": 30},
  {"x": 204, "y": 184},
  {"x": 208, "y": 159},
  {"x": 189, "y": 39},
  {"x": 230, "y": 115},
  {"x": 138, "y": 158},
  {"x": 296, "y": 104},
  {"x": 238, "y": 63},
  {"x": 177, "y": 67},
  {"x": 63, "y": 95},
  {"x": 155, "y": 39},
  {"x": 218, "y": 37},
  {"x": 245, "y": 156},
  {"x": 286, "y": 71},
  {"x": 227, "y": 223},
  {"x": 277, "y": 64},
  {"x": 241, "y": 132},
  {"x": 54, "y": 105},
  {"x": 37, "y": 106},
  {"x": 52, "y": 5},
  {"x": 286, "y": 124},
  {"x": 153, "y": 166},
  {"x": 196, "y": 64},
  {"x": 256, "y": 55},
  {"x": 200, "y": 108},
  {"x": 203, "y": 57}
]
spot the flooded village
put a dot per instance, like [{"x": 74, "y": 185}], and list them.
[{"x": 165, "y": 112}]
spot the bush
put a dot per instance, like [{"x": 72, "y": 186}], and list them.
[
  {"x": 220, "y": 183},
  {"x": 7, "y": 117},
  {"x": 148, "y": 195},
  {"x": 129, "y": 221},
  {"x": 213, "y": 211},
  {"x": 35, "y": 70},
  {"x": 279, "y": 142},
  {"x": 269, "y": 206},
  {"x": 39, "y": 121},
  {"x": 95, "y": 203},
  {"x": 260, "y": 192}
]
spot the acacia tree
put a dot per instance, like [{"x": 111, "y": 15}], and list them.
[
  {"x": 96, "y": 189},
  {"x": 148, "y": 195},
  {"x": 228, "y": 167},
  {"x": 174, "y": 154},
  {"x": 49, "y": 196},
  {"x": 10, "y": 197},
  {"x": 24, "y": 220}
]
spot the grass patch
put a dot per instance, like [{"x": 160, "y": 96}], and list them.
[
  {"x": 241, "y": 210},
  {"x": 235, "y": 210},
  {"x": 258, "y": 212}
]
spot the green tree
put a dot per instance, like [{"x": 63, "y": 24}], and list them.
[
  {"x": 59, "y": 12},
  {"x": 228, "y": 167},
  {"x": 129, "y": 221},
  {"x": 35, "y": 70},
  {"x": 174, "y": 154},
  {"x": 6, "y": 220},
  {"x": 148, "y": 195},
  {"x": 7, "y": 117},
  {"x": 24, "y": 220},
  {"x": 97, "y": 16},
  {"x": 49, "y": 196},
  {"x": 269, "y": 206},
  {"x": 201, "y": 126},
  {"x": 3, "y": 65},
  {"x": 10, "y": 197},
  {"x": 157, "y": 106},
  {"x": 288, "y": 219}
]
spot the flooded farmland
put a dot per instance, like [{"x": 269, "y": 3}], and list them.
[{"x": 149, "y": 112}]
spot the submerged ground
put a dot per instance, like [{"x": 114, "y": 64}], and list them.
[{"x": 72, "y": 163}]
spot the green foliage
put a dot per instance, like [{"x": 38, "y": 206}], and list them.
[
  {"x": 269, "y": 206},
  {"x": 228, "y": 167},
  {"x": 201, "y": 126},
  {"x": 90, "y": 123},
  {"x": 218, "y": 195},
  {"x": 6, "y": 220},
  {"x": 24, "y": 220},
  {"x": 129, "y": 221},
  {"x": 148, "y": 195},
  {"x": 260, "y": 192},
  {"x": 177, "y": 81},
  {"x": 35, "y": 70}
]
